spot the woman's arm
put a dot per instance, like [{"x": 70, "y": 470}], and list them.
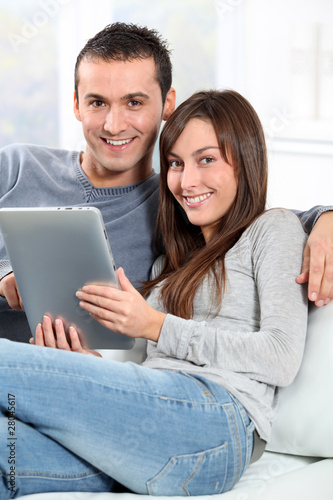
[{"x": 271, "y": 354}]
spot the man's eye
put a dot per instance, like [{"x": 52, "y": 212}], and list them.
[
  {"x": 134, "y": 104},
  {"x": 98, "y": 104}
]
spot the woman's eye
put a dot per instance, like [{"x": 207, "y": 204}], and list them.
[
  {"x": 206, "y": 160},
  {"x": 175, "y": 163}
]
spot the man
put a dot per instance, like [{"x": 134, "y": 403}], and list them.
[
  {"x": 121, "y": 105},
  {"x": 122, "y": 94}
]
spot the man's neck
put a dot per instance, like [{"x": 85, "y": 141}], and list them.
[{"x": 110, "y": 178}]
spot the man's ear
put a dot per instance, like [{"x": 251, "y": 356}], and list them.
[
  {"x": 170, "y": 104},
  {"x": 76, "y": 108}
]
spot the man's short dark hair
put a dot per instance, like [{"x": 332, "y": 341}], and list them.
[{"x": 125, "y": 42}]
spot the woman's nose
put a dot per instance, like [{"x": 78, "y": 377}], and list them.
[{"x": 190, "y": 177}]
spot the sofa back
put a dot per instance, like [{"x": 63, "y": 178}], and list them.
[{"x": 304, "y": 424}]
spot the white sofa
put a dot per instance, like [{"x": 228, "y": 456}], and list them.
[{"x": 298, "y": 462}]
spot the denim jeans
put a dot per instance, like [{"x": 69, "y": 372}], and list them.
[{"x": 72, "y": 422}]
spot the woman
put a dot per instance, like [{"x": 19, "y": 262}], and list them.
[{"x": 225, "y": 323}]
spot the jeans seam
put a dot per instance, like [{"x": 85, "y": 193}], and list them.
[
  {"x": 55, "y": 476},
  {"x": 189, "y": 479},
  {"x": 231, "y": 415},
  {"x": 204, "y": 389}
]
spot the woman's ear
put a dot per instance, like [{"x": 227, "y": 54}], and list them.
[{"x": 170, "y": 104}]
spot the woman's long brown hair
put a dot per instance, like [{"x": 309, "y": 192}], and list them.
[{"x": 188, "y": 259}]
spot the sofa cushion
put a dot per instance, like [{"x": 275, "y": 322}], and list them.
[{"x": 304, "y": 424}]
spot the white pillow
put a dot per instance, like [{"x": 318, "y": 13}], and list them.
[{"x": 304, "y": 425}]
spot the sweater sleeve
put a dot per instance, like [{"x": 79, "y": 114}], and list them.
[
  {"x": 273, "y": 353},
  {"x": 310, "y": 217},
  {"x": 8, "y": 177}
]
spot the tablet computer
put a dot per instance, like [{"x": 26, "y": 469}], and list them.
[{"x": 54, "y": 252}]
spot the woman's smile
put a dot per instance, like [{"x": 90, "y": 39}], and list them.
[{"x": 197, "y": 200}]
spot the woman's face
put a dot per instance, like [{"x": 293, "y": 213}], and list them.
[{"x": 199, "y": 178}]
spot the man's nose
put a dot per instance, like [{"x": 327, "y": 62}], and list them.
[{"x": 115, "y": 122}]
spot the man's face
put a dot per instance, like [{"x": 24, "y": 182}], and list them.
[{"x": 120, "y": 107}]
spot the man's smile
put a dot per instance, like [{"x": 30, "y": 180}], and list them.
[{"x": 119, "y": 142}]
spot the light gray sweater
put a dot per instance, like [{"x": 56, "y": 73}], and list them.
[{"x": 255, "y": 342}]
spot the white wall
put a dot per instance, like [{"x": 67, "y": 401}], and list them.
[
  {"x": 279, "y": 54},
  {"x": 248, "y": 45}
]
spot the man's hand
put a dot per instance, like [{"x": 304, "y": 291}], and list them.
[
  {"x": 9, "y": 290},
  {"x": 317, "y": 266}
]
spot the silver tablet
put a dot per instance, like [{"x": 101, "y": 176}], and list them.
[{"x": 54, "y": 252}]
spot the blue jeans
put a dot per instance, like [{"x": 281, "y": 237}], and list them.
[{"x": 70, "y": 422}]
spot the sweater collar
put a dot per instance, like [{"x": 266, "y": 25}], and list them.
[{"x": 92, "y": 191}]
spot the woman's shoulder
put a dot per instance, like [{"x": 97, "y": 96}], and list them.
[
  {"x": 276, "y": 224},
  {"x": 275, "y": 218}
]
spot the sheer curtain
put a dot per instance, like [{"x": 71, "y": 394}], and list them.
[{"x": 40, "y": 42}]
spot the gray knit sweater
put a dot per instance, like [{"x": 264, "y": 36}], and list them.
[
  {"x": 36, "y": 176},
  {"x": 255, "y": 342}
]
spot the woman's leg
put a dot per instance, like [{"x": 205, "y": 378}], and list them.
[
  {"x": 31, "y": 462},
  {"x": 153, "y": 431}
]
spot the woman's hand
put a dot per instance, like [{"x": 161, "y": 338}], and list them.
[
  {"x": 122, "y": 311},
  {"x": 47, "y": 337}
]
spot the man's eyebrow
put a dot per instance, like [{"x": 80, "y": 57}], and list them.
[
  {"x": 91, "y": 95},
  {"x": 133, "y": 95}
]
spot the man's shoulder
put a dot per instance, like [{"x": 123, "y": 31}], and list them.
[
  {"x": 20, "y": 156},
  {"x": 34, "y": 150}
]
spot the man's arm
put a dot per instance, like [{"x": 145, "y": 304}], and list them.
[{"x": 317, "y": 268}]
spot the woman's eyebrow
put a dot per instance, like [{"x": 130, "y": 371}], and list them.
[
  {"x": 201, "y": 150},
  {"x": 196, "y": 152}
]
